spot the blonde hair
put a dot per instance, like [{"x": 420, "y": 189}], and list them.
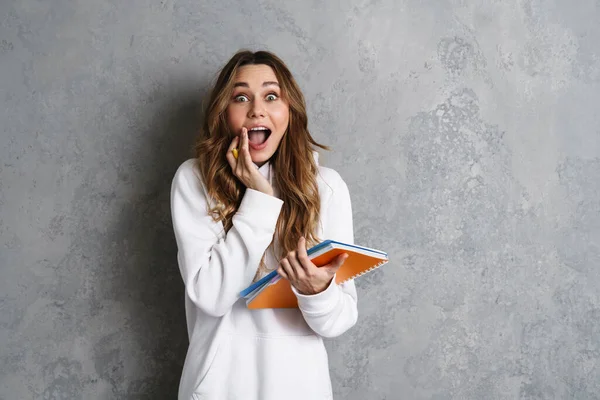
[{"x": 293, "y": 163}]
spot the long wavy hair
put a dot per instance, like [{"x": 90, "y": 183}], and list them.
[{"x": 294, "y": 167}]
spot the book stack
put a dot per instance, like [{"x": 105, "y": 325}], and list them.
[{"x": 274, "y": 292}]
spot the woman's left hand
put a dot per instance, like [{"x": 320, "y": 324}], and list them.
[{"x": 306, "y": 277}]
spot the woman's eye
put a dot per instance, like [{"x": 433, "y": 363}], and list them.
[
  {"x": 241, "y": 99},
  {"x": 271, "y": 97}
]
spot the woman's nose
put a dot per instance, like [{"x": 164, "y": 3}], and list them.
[{"x": 256, "y": 110}]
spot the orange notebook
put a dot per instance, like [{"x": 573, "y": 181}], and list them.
[{"x": 274, "y": 292}]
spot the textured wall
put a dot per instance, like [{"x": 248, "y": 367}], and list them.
[{"x": 468, "y": 133}]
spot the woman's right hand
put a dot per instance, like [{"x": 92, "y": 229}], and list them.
[{"x": 243, "y": 167}]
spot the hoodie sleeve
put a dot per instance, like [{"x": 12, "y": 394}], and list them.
[
  {"x": 216, "y": 267},
  {"x": 333, "y": 311}
]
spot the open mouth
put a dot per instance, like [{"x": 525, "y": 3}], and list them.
[{"x": 258, "y": 136}]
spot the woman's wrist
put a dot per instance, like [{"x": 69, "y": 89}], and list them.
[
  {"x": 268, "y": 191},
  {"x": 314, "y": 290}
]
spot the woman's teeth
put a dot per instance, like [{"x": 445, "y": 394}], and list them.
[{"x": 258, "y": 135}]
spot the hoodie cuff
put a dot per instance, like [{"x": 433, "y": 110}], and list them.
[
  {"x": 260, "y": 208},
  {"x": 320, "y": 303}
]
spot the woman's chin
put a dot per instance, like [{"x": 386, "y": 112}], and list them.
[{"x": 259, "y": 157}]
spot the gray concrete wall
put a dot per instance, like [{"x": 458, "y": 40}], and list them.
[{"x": 468, "y": 133}]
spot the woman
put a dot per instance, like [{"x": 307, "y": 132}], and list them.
[{"x": 252, "y": 201}]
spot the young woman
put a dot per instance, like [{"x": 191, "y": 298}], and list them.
[{"x": 253, "y": 201}]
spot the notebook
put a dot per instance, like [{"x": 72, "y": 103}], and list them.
[{"x": 274, "y": 292}]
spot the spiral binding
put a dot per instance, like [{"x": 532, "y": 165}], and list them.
[{"x": 366, "y": 271}]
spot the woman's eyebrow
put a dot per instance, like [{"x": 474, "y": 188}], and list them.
[{"x": 244, "y": 84}]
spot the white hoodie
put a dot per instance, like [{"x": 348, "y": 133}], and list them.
[{"x": 267, "y": 354}]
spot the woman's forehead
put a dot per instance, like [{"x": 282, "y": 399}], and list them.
[{"x": 256, "y": 75}]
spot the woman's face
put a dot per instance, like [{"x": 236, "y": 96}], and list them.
[{"x": 257, "y": 105}]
